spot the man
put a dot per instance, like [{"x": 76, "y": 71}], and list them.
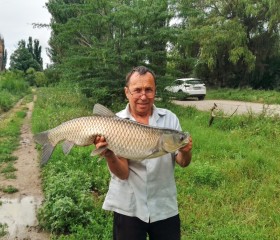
[{"x": 143, "y": 195}]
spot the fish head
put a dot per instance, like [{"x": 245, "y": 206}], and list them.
[{"x": 173, "y": 140}]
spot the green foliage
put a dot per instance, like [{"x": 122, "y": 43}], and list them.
[
  {"x": 14, "y": 82},
  {"x": 9, "y": 168},
  {"x": 40, "y": 79},
  {"x": 9, "y": 189},
  {"x": 3, "y": 229},
  {"x": 6, "y": 100},
  {"x": 12, "y": 87},
  {"x": 206, "y": 174},
  {"x": 3, "y": 54},
  {"x": 21, "y": 114},
  {"x": 52, "y": 75},
  {"x": 247, "y": 94},
  {"x": 207, "y": 35},
  {"x": 75, "y": 184},
  {"x": 36, "y": 78},
  {"x": 68, "y": 202},
  {"x": 93, "y": 43},
  {"x": 25, "y": 57},
  {"x": 58, "y": 104},
  {"x": 9, "y": 133}
]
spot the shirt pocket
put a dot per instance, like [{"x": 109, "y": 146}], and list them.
[{"x": 120, "y": 196}]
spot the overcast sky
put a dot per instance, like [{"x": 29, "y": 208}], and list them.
[{"x": 16, "y": 18}]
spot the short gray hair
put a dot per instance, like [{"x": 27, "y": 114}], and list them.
[{"x": 142, "y": 70}]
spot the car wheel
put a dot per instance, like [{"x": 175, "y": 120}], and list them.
[{"x": 201, "y": 97}]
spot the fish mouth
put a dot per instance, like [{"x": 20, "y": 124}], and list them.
[{"x": 186, "y": 140}]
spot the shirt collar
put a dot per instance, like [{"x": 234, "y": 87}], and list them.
[{"x": 157, "y": 113}]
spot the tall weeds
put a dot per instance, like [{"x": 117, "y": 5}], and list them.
[{"x": 13, "y": 86}]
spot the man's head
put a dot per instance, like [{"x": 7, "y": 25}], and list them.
[
  {"x": 140, "y": 90},
  {"x": 141, "y": 70}
]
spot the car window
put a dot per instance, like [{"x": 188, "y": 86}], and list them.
[
  {"x": 178, "y": 82},
  {"x": 194, "y": 82}
]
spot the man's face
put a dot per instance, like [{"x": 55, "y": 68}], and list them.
[{"x": 141, "y": 93}]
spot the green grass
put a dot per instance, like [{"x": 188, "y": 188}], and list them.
[
  {"x": 229, "y": 191},
  {"x": 9, "y": 189},
  {"x": 9, "y": 135},
  {"x": 249, "y": 95},
  {"x": 3, "y": 229},
  {"x": 9, "y": 140},
  {"x": 8, "y": 168},
  {"x": 13, "y": 87}
]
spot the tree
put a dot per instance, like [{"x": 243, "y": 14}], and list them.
[
  {"x": 236, "y": 38},
  {"x": 3, "y": 54},
  {"x": 229, "y": 43},
  {"x": 97, "y": 42},
  {"x": 25, "y": 57}
]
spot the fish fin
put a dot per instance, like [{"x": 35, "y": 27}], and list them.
[
  {"x": 67, "y": 146},
  {"x": 101, "y": 110},
  {"x": 47, "y": 152},
  {"x": 98, "y": 151},
  {"x": 42, "y": 138},
  {"x": 155, "y": 154}
]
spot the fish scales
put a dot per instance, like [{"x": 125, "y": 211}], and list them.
[
  {"x": 125, "y": 138},
  {"x": 121, "y": 135}
]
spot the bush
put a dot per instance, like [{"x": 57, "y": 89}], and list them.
[
  {"x": 6, "y": 100},
  {"x": 67, "y": 202}
]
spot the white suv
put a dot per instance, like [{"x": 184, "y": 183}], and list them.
[{"x": 193, "y": 87}]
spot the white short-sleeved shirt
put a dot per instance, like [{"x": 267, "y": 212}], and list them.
[{"x": 150, "y": 192}]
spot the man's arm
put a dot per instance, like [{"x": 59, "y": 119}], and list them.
[{"x": 117, "y": 165}]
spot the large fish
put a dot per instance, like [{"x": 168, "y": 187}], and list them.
[{"x": 125, "y": 138}]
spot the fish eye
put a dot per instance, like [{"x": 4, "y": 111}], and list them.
[{"x": 182, "y": 138}]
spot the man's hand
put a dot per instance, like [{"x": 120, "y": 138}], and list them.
[
  {"x": 184, "y": 156},
  {"x": 188, "y": 147},
  {"x": 99, "y": 142},
  {"x": 117, "y": 165}
]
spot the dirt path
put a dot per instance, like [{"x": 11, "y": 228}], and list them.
[
  {"x": 230, "y": 107},
  {"x": 19, "y": 210}
]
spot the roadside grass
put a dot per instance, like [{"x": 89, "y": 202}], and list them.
[
  {"x": 13, "y": 87},
  {"x": 9, "y": 189},
  {"x": 74, "y": 185},
  {"x": 3, "y": 229},
  {"x": 9, "y": 140},
  {"x": 245, "y": 95},
  {"x": 231, "y": 189}
]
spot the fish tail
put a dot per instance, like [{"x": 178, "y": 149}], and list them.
[{"x": 42, "y": 138}]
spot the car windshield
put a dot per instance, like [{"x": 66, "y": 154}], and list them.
[{"x": 193, "y": 81}]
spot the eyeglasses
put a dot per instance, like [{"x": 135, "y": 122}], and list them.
[{"x": 138, "y": 93}]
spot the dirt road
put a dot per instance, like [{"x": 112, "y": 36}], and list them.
[
  {"x": 18, "y": 210},
  {"x": 229, "y": 107}
]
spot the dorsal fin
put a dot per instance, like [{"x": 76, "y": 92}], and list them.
[{"x": 101, "y": 110}]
